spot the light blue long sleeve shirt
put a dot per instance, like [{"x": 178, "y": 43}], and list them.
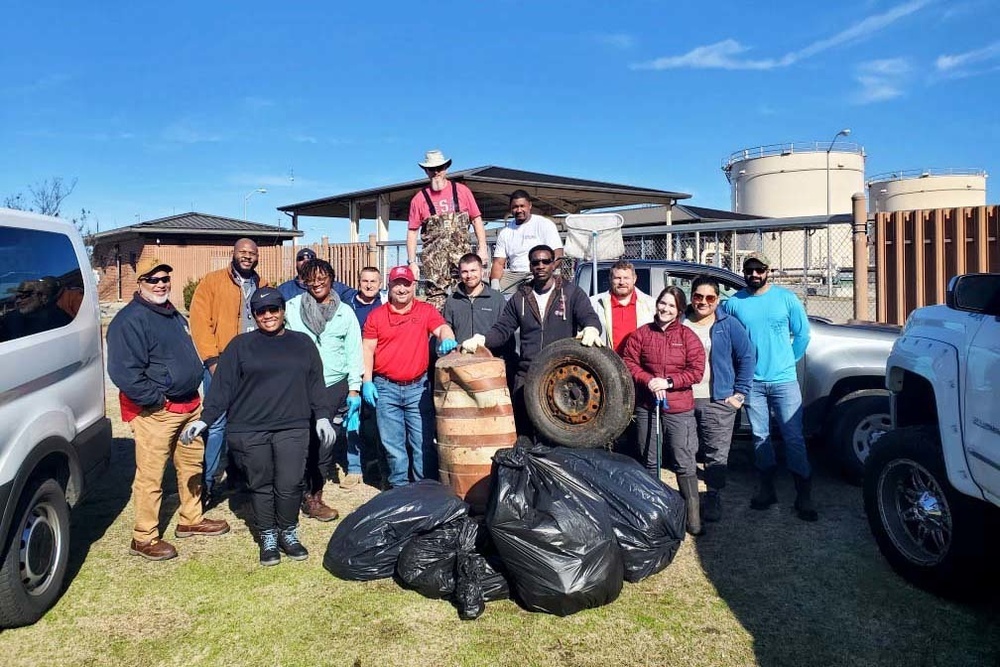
[
  {"x": 339, "y": 345},
  {"x": 778, "y": 327}
]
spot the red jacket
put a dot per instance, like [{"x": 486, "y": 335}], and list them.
[{"x": 674, "y": 353}]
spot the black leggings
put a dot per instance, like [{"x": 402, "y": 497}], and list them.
[{"x": 273, "y": 463}]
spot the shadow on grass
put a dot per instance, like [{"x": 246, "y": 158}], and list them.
[{"x": 820, "y": 593}]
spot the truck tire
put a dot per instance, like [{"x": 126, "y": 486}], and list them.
[
  {"x": 579, "y": 396},
  {"x": 36, "y": 554},
  {"x": 932, "y": 535},
  {"x": 856, "y": 422}
]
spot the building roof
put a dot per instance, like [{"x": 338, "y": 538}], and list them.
[
  {"x": 200, "y": 224},
  {"x": 552, "y": 195}
]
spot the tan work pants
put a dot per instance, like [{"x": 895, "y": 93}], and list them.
[{"x": 156, "y": 442}]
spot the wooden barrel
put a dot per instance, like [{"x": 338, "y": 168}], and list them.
[{"x": 475, "y": 418}]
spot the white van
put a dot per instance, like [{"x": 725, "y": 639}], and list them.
[{"x": 54, "y": 436}]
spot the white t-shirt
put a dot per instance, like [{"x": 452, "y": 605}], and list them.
[
  {"x": 515, "y": 241},
  {"x": 543, "y": 301},
  {"x": 704, "y": 332}
]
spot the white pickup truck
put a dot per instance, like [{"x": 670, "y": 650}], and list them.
[{"x": 932, "y": 485}]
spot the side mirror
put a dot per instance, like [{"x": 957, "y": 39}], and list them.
[{"x": 975, "y": 293}]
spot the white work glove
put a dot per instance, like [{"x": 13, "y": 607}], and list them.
[
  {"x": 495, "y": 284},
  {"x": 473, "y": 344},
  {"x": 192, "y": 431},
  {"x": 590, "y": 337},
  {"x": 327, "y": 435}
]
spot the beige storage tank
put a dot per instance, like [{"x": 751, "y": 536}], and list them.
[
  {"x": 795, "y": 179},
  {"x": 926, "y": 189}
]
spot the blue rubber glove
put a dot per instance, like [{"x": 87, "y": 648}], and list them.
[
  {"x": 353, "y": 414},
  {"x": 370, "y": 393},
  {"x": 446, "y": 346}
]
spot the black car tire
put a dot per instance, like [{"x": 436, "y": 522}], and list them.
[
  {"x": 36, "y": 554},
  {"x": 856, "y": 422},
  {"x": 579, "y": 396},
  {"x": 932, "y": 535}
]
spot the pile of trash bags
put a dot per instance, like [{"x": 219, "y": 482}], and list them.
[{"x": 564, "y": 528}]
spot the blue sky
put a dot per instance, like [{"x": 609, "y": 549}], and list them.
[{"x": 163, "y": 108}]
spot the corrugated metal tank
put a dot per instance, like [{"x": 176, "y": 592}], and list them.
[
  {"x": 926, "y": 189},
  {"x": 787, "y": 180}
]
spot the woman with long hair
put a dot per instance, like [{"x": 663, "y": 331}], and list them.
[{"x": 665, "y": 359}]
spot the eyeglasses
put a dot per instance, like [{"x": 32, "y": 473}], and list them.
[
  {"x": 153, "y": 281},
  {"x": 24, "y": 294},
  {"x": 318, "y": 283},
  {"x": 755, "y": 270},
  {"x": 707, "y": 298},
  {"x": 267, "y": 310},
  {"x": 541, "y": 262}
]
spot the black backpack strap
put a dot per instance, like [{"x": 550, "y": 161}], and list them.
[
  {"x": 454, "y": 195},
  {"x": 430, "y": 204}
]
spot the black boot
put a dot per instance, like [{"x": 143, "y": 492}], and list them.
[
  {"x": 711, "y": 509},
  {"x": 803, "y": 499},
  {"x": 269, "y": 554},
  {"x": 689, "y": 491},
  {"x": 765, "y": 495},
  {"x": 288, "y": 540}
]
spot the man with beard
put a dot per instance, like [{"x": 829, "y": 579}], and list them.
[
  {"x": 156, "y": 368},
  {"x": 474, "y": 307},
  {"x": 220, "y": 310},
  {"x": 35, "y": 311},
  {"x": 546, "y": 310},
  {"x": 779, "y": 331},
  {"x": 515, "y": 240},
  {"x": 396, "y": 356},
  {"x": 624, "y": 308},
  {"x": 441, "y": 214}
]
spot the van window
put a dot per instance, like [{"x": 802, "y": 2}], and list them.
[{"x": 41, "y": 285}]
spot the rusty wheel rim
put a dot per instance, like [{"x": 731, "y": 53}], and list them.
[{"x": 572, "y": 394}]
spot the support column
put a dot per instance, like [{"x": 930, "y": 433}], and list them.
[
  {"x": 382, "y": 230},
  {"x": 859, "y": 234},
  {"x": 355, "y": 216}
]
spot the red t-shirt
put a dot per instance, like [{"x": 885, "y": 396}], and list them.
[
  {"x": 623, "y": 321},
  {"x": 444, "y": 202},
  {"x": 401, "y": 354}
]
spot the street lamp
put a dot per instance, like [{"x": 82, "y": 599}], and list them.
[
  {"x": 829, "y": 260},
  {"x": 263, "y": 191}
]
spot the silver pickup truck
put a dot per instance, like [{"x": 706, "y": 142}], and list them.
[{"x": 842, "y": 375}]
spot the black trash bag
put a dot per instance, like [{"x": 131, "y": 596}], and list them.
[
  {"x": 648, "y": 516},
  {"x": 479, "y": 575},
  {"x": 367, "y": 542},
  {"x": 553, "y": 534}
]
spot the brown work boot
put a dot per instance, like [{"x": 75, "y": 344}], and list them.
[
  {"x": 155, "y": 549},
  {"x": 314, "y": 507},
  {"x": 207, "y": 527}
]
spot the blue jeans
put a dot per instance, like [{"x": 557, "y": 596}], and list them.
[
  {"x": 405, "y": 415},
  {"x": 354, "y": 453},
  {"x": 785, "y": 399},
  {"x": 215, "y": 442}
]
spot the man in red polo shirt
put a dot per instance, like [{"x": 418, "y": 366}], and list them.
[
  {"x": 623, "y": 308},
  {"x": 395, "y": 346}
]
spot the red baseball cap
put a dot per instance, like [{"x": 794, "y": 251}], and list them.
[{"x": 401, "y": 273}]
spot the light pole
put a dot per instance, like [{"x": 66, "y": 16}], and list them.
[
  {"x": 829, "y": 260},
  {"x": 263, "y": 191}
]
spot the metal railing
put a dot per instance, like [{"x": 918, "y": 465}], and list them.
[
  {"x": 902, "y": 174},
  {"x": 788, "y": 149}
]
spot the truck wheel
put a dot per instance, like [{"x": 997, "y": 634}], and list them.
[
  {"x": 932, "y": 535},
  {"x": 37, "y": 551},
  {"x": 579, "y": 396},
  {"x": 857, "y": 421}
]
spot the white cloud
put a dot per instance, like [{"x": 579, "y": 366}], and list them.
[
  {"x": 617, "y": 40},
  {"x": 881, "y": 80},
  {"x": 958, "y": 65},
  {"x": 186, "y": 132},
  {"x": 727, "y": 53},
  {"x": 304, "y": 139}
]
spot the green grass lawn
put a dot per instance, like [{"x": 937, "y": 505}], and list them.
[{"x": 759, "y": 588}]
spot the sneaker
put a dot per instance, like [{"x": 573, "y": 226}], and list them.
[
  {"x": 207, "y": 527},
  {"x": 288, "y": 541},
  {"x": 269, "y": 554},
  {"x": 350, "y": 480},
  {"x": 155, "y": 549}
]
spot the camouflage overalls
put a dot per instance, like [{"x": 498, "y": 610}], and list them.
[{"x": 445, "y": 238}]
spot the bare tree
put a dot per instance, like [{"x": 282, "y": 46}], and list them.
[{"x": 48, "y": 195}]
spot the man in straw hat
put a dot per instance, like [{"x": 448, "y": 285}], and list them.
[{"x": 441, "y": 213}]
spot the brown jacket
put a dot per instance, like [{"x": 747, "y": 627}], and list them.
[{"x": 216, "y": 310}]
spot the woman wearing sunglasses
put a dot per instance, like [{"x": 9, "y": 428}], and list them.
[
  {"x": 665, "y": 359},
  {"x": 270, "y": 382},
  {"x": 720, "y": 394}
]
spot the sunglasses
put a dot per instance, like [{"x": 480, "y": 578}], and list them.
[
  {"x": 754, "y": 270},
  {"x": 707, "y": 298},
  {"x": 541, "y": 262},
  {"x": 25, "y": 294},
  {"x": 435, "y": 170},
  {"x": 154, "y": 281},
  {"x": 267, "y": 310}
]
